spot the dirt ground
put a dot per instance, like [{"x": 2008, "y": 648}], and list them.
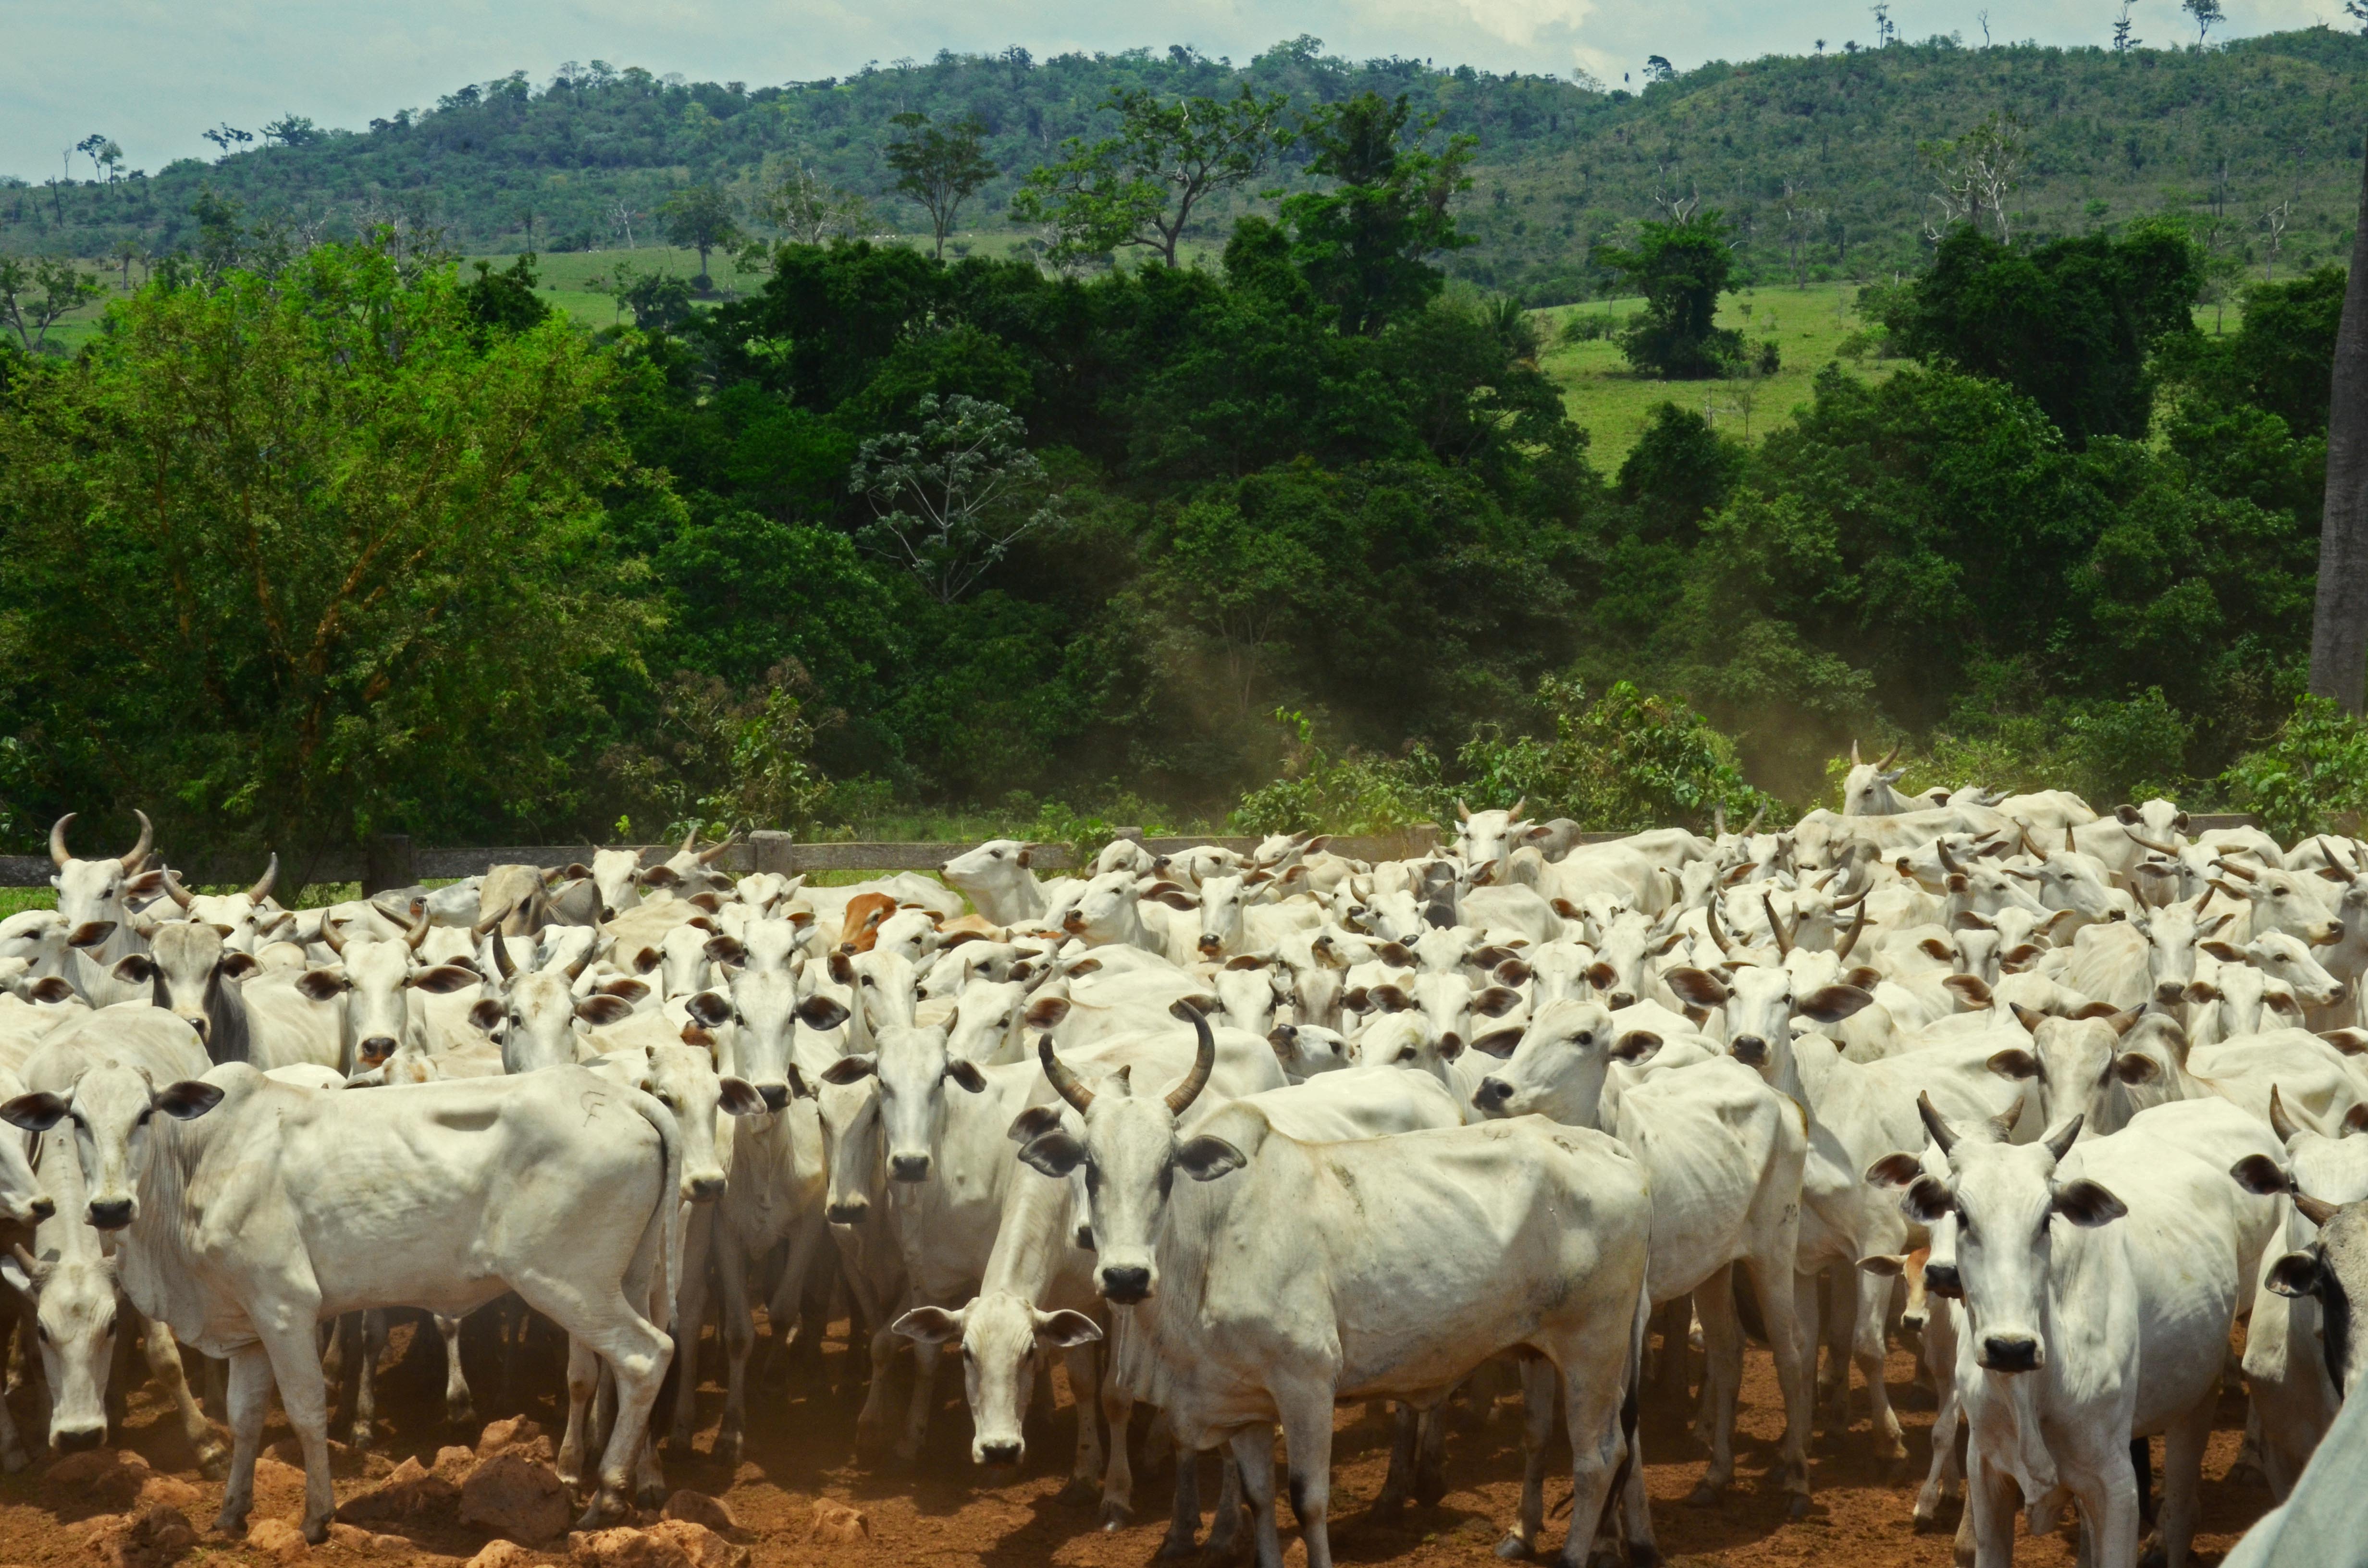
[{"x": 949, "y": 1512}]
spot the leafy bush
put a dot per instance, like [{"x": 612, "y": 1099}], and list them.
[
  {"x": 1589, "y": 328},
  {"x": 1352, "y": 793},
  {"x": 2314, "y": 768},
  {"x": 1622, "y": 762},
  {"x": 721, "y": 760}
]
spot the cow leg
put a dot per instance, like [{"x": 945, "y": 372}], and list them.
[
  {"x": 1867, "y": 1346},
  {"x": 1406, "y": 1438},
  {"x": 918, "y": 1409},
  {"x": 1537, "y": 1433},
  {"x": 605, "y": 1331},
  {"x": 583, "y": 1383},
  {"x": 1940, "y": 1360},
  {"x": 1226, "y": 1519},
  {"x": 739, "y": 1327},
  {"x": 1253, "y": 1452},
  {"x": 1086, "y": 1469},
  {"x": 1599, "y": 1415},
  {"x": 1986, "y": 1535},
  {"x": 369, "y": 1334},
  {"x": 1722, "y": 1384},
  {"x": 2107, "y": 1488},
  {"x": 1184, "y": 1509},
  {"x": 293, "y": 1361},
  {"x": 163, "y": 1358},
  {"x": 249, "y": 1396},
  {"x": 460, "y": 1406},
  {"x": 1307, "y": 1440},
  {"x": 1430, "y": 1458},
  {"x": 1788, "y": 1344},
  {"x": 785, "y": 1312},
  {"x": 1118, "y": 1476},
  {"x": 2182, "y": 1479},
  {"x": 689, "y": 1320},
  {"x": 1673, "y": 1367}
]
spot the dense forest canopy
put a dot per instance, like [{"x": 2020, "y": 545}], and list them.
[
  {"x": 1819, "y": 159},
  {"x": 318, "y": 537}
]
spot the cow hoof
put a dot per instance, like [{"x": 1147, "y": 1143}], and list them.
[
  {"x": 13, "y": 1460},
  {"x": 316, "y": 1530},
  {"x": 213, "y": 1464},
  {"x": 1176, "y": 1547},
  {"x": 1894, "y": 1470},
  {"x": 1429, "y": 1492},
  {"x": 727, "y": 1449},
  {"x": 232, "y": 1524},
  {"x": 1923, "y": 1523},
  {"x": 360, "y": 1440},
  {"x": 1643, "y": 1554},
  {"x": 1513, "y": 1549},
  {"x": 1704, "y": 1495},
  {"x": 1798, "y": 1508},
  {"x": 461, "y": 1414},
  {"x": 1116, "y": 1515},
  {"x": 1080, "y": 1491}
]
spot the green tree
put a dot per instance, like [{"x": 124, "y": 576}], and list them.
[
  {"x": 1680, "y": 268},
  {"x": 291, "y": 560},
  {"x": 1140, "y": 187},
  {"x": 940, "y": 166},
  {"x": 35, "y": 297},
  {"x": 2072, "y": 323},
  {"x": 793, "y": 199},
  {"x": 1365, "y": 240},
  {"x": 953, "y": 495},
  {"x": 701, "y": 218}
]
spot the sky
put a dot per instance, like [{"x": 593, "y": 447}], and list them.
[{"x": 153, "y": 74}]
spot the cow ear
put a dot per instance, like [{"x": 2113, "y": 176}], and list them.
[
  {"x": 1496, "y": 1001},
  {"x": 50, "y": 989},
  {"x": 1174, "y": 897},
  {"x": 2221, "y": 951},
  {"x": 710, "y": 1008},
  {"x": 1894, "y": 1171},
  {"x": 1397, "y": 954},
  {"x": 851, "y": 1069},
  {"x": 1636, "y": 1046},
  {"x": 647, "y": 960},
  {"x": 2132, "y": 1068},
  {"x": 1601, "y": 975},
  {"x": 1390, "y": 999},
  {"x": 2261, "y": 1176},
  {"x": 485, "y": 1014},
  {"x": 1207, "y": 1157},
  {"x": 1928, "y": 1199},
  {"x": 444, "y": 979},
  {"x": 1698, "y": 986},
  {"x": 737, "y": 1096},
  {"x": 2026, "y": 1017},
  {"x": 2351, "y": 1042},
  {"x": 842, "y": 971},
  {"x": 33, "y": 1113},
  {"x": 725, "y": 950},
  {"x": 1569, "y": 910},
  {"x": 2126, "y": 815},
  {"x": 1067, "y": 1329},
  {"x": 90, "y": 934},
  {"x": 1498, "y": 1043},
  {"x": 1357, "y": 999},
  {"x": 659, "y": 876},
  {"x": 1884, "y": 1266},
  {"x": 1832, "y": 1004},
  {"x": 965, "y": 1073},
  {"x": 600, "y": 1011},
  {"x": 822, "y": 1012},
  {"x": 928, "y": 1325},
  {"x": 1054, "y": 1154},
  {"x": 2085, "y": 1203},
  {"x": 2014, "y": 1062},
  {"x": 320, "y": 984},
  {"x": 134, "y": 969},
  {"x": 2296, "y": 1274},
  {"x": 237, "y": 966},
  {"x": 1033, "y": 1122},
  {"x": 624, "y": 990},
  {"x": 1931, "y": 946},
  {"x": 1513, "y": 972},
  {"x": 188, "y": 1099},
  {"x": 143, "y": 884},
  {"x": 1046, "y": 1012}
]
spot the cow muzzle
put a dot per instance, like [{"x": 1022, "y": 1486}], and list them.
[
  {"x": 775, "y": 1096},
  {"x": 111, "y": 1214},
  {"x": 1125, "y": 1284},
  {"x": 1074, "y": 924},
  {"x": 1494, "y": 1094},
  {"x": 703, "y": 1188},
  {"x": 76, "y": 1439},
  {"x": 2010, "y": 1353},
  {"x": 2170, "y": 992},
  {"x": 1941, "y": 1280},
  {"x": 374, "y": 1051},
  {"x": 847, "y": 1211},
  {"x": 1620, "y": 999},
  {"x": 908, "y": 1168},
  {"x": 198, "y": 1021},
  {"x": 1748, "y": 1048},
  {"x": 1001, "y": 1450}
]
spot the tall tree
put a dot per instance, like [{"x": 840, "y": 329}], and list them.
[
  {"x": 2339, "y": 627},
  {"x": 1364, "y": 243},
  {"x": 940, "y": 166},
  {"x": 1680, "y": 268},
  {"x": 1139, "y": 187},
  {"x": 700, "y": 217}
]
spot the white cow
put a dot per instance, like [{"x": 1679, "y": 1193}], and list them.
[
  {"x": 92, "y": 895},
  {"x": 1001, "y": 884}
]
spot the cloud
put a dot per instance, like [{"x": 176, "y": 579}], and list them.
[{"x": 153, "y": 74}]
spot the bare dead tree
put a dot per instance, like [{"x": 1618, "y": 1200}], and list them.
[{"x": 2275, "y": 221}]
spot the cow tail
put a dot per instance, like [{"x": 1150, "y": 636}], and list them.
[
  {"x": 1631, "y": 1401},
  {"x": 661, "y": 1249}
]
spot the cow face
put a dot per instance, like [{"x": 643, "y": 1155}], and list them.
[
  {"x": 1760, "y": 1001},
  {"x": 683, "y": 961},
  {"x": 1867, "y": 792},
  {"x": 684, "y": 1080},
  {"x": 2073, "y": 884},
  {"x": 72, "y": 1289},
  {"x": 616, "y": 873},
  {"x": 1131, "y": 1155},
  {"x": 188, "y": 965},
  {"x": 851, "y": 1147},
  {"x": 1002, "y": 1337},
  {"x": 1558, "y": 1066},
  {"x": 2281, "y": 900},
  {"x": 2281, "y": 957},
  {"x": 2008, "y": 1205},
  {"x": 910, "y": 1072},
  {"x": 1630, "y": 943},
  {"x": 1250, "y": 987},
  {"x": 987, "y": 1026},
  {"x": 1485, "y": 840},
  {"x": 114, "y": 1111},
  {"x": 2102, "y": 1071},
  {"x": 765, "y": 1011},
  {"x": 1305, "y": 1050},
  {"x": 2171, "y": 933}
]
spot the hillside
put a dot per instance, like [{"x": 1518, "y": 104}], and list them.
[{"x": 1818, "y": 157}]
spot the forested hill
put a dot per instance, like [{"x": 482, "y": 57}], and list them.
[{"x": 1818, "y": 157}]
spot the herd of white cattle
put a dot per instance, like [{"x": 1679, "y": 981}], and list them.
[{"x": 2065, "y": 1094}]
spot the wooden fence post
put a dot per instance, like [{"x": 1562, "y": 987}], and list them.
[
  {"x": 388, "y": 862},
  {"x": 772, "y": 850}
]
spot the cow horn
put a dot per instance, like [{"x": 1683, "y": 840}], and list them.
[
  {"x": 1716, "y": 934},
  {"x": 57, "y": 850},
  {"x": 2068, "y": 842},
  {"x": 418, "y": 932},
  {"x": 1783, "y": 941},
  {"x": 2158, "y": 847},
  {"x": 2236, "y": 869},
  {"x": 689, "y": 840},
  {"x": 1515, "y": 814},
  {"x": 492, "y": 923},
  {"x": 1947, "y": 863},
  {"x": 138, "y": 853},
  {"x": 33, "y": 1266},
  {"x": 1064, "y": 1081},
  {"x": 576, "y": 970},
  {"x": 2031, "y": 848},
  {"x": 1857, "y": 926},
  {"x": 1718, "y": 820},
  {"x": 174, "y": 890},
  {"x": 1204, "y": 1062},
  {"x": 2317, "y": 1210},
  {"x": 1753, "y": 825},
  {"x": 262, "y": 888},
  {"x": 2281, "y": 1124},
  {"x": 1854, "y": 760},
  {"x": 2059, "y": 1143},
  {"x": 1462, "y": 812},
  {"x": 1935, "y": 1123},
  {"x": 330, "y": 940},
  {"x": 502, "y": 958},
  {"x": 708, "y": 856},
  {"x": 1888, "y": 756}
]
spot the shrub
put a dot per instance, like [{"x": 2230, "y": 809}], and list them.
[
  {"x": 2316, "y": 767},
  {"x": 1353, "y": 792},
  {"x": 1622, "y": 762}
]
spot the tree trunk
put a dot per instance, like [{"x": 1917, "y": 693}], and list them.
[{"x": 2338, "y": 631}]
